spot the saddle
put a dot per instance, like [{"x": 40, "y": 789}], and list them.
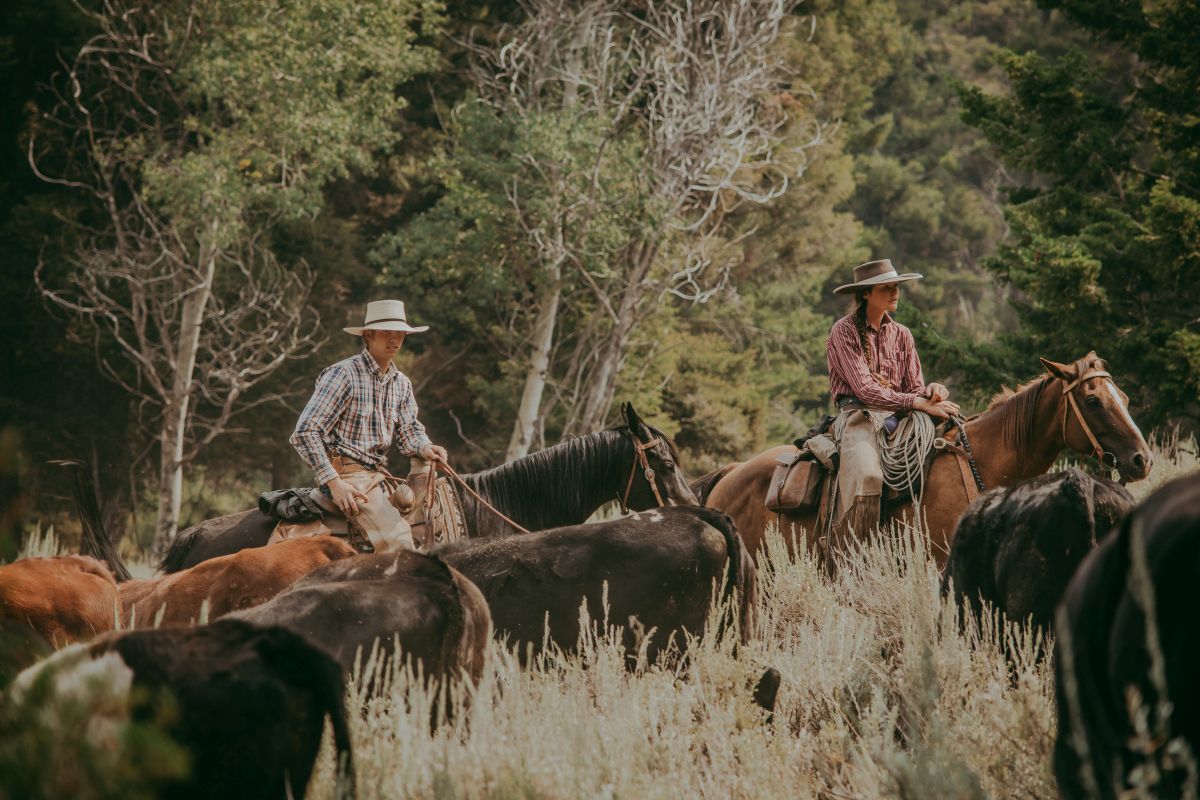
[
  {"x": 308, "y": 511},
  {"x": 434, "y": 519}
]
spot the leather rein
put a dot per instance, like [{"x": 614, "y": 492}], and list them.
[{"x": 640, "y": 449}]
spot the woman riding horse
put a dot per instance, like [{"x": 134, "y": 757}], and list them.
[{"x": 874, "y": 376}]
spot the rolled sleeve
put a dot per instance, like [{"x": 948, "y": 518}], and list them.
[
  {"x": 317, "y": 421},
  {"x": 410, "y": 434}
]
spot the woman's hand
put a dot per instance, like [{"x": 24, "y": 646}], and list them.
[
  {"x": 942, "y": 409},
  {"x": 937, "y": 393},
  {"x": 346, "y": 497}
]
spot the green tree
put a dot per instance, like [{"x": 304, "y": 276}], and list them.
[
  {"x": 1106, "y": 226},
  {"x": 194, "y": 127}
]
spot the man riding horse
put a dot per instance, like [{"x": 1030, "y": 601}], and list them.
[
  {"x": 361, "y": 406},
  {"x": 874, "y": 378}
]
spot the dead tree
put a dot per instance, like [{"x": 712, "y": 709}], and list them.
[
  {"x": 678, "y": 97},
  {"x": 199, "y": 309}
]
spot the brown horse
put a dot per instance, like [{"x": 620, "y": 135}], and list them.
[{"x": 1075, "y": 406}]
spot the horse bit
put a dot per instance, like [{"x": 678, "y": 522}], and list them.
[{"x": 640, "y": 449}]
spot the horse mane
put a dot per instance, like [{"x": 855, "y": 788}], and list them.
[
  {"x": 577, "y": 466},
  {"x": 1018, "y": 408}
]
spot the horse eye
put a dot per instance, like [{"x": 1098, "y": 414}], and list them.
[
  {"x": 668, "y": 464},
  {"x": 1093, "y": 401}
]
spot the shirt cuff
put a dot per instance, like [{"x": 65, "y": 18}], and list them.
[
  {"x": 325, "y": 473},
  {"x": 907, "y": 400}
]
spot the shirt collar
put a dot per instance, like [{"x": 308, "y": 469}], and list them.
[
  {"x": 887, "y": 320},
  {"x": 372, "y": 366}
]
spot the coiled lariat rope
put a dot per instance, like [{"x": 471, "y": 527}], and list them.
[{"x": 903, "y": 453}]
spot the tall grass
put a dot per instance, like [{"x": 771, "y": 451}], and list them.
[{"x": 882, "y": 697}]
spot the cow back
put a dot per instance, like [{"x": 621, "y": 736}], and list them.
[
  {"x": 1017, "y": 547},
  {"x": 1103, "y": 647}
]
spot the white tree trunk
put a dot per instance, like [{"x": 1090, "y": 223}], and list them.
[
  {"x": 598, "y": 393},
  {"x": 177, "y": 407},
  {"x": 525, "y": 425}
]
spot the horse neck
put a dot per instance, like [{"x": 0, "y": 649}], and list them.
[
  {"x": 562, "y": 485},
  {"x": 1018, "y": 438}
]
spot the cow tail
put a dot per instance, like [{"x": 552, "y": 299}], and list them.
[
  {"x": 311, "y": 665},
  {"x": 452, "y": 606},
  {"x": 95, "y": 513},
  {"x": 740, "y": 577}
]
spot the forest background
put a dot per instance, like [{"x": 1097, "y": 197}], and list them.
[{"x": 1038, "y": 163}]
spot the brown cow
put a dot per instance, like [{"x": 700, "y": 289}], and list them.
[
  {"x": 229, "y": 583},
  {"x": 64, "y": 599}
]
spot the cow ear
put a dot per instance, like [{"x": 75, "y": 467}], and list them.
[{"x": 1060, "y": 371}]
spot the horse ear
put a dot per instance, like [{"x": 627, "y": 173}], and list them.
[
  {"x": 631, "y": 417},
  {"x": 1060, "y": 371}
]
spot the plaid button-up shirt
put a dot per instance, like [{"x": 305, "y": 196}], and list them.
[
  {"x": 894, "y": 356},
  {"x": 358, "y": 410}
]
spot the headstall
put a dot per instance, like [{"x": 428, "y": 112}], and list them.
[
  {"x": 1106, "y": 459},
  {"x": 640, "y": 449}
]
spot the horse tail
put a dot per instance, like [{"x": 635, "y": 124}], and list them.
[
  {"x": 702, "y": 487},
  {"x": 97, "y": 516},
  {"x": 740, "y": 578},
  {"x": 175, "y": 559}
]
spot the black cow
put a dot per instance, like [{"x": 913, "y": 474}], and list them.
[
  {"x": 1017, "y": 547},
  {"x": 1103, "y": 647},
  {"x": 438, "y": 616},
  {"x": 251, "y": 702},
  {"x": 660, "y": 567}
]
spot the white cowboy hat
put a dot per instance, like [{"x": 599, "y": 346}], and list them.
[
  {"x": 874, "y": 273},
  {"x": 385, "y": 315}
]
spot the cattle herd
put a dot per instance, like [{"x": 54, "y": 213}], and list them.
[{"x": 1114, "y": 583}]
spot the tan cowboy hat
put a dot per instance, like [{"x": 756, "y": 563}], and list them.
[
  {"x": 386, "y": 315},
  {"x": 874, "y": 273}
]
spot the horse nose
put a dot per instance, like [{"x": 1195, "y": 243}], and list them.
[{"x": 1142, "y": 462}]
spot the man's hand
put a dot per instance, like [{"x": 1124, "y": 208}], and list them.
[
  {"x": 942, "y": 409},
  {"x": 346, "y": 497},
  {"x": 434, "y": 452},
  {"x": 937, "y": 392}
]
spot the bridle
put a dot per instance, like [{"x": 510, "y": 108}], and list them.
[
  {"x": 639, "y": 450},
  {"x": 1107, "y": 460}
]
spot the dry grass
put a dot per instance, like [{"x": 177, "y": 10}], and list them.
[{"x": 882, "y": 697}]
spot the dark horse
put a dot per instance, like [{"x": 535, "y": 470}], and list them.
[
  {"x": 561, "y": 485},
  {"x": 1074, "y": 406}
]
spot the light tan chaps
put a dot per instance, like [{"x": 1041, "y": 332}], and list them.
[
  {"x": 859, "y": 477},
  {"x": 377, "y": 519}
]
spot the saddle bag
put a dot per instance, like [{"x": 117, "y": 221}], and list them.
[{"x": 795, "y": 484}]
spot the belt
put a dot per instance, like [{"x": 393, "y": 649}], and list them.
[
  {"x": 342, "y": 462},
  {"x": 849, "y": 401}
]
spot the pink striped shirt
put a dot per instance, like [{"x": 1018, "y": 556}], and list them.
[{"x": 894, "y": 355}]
